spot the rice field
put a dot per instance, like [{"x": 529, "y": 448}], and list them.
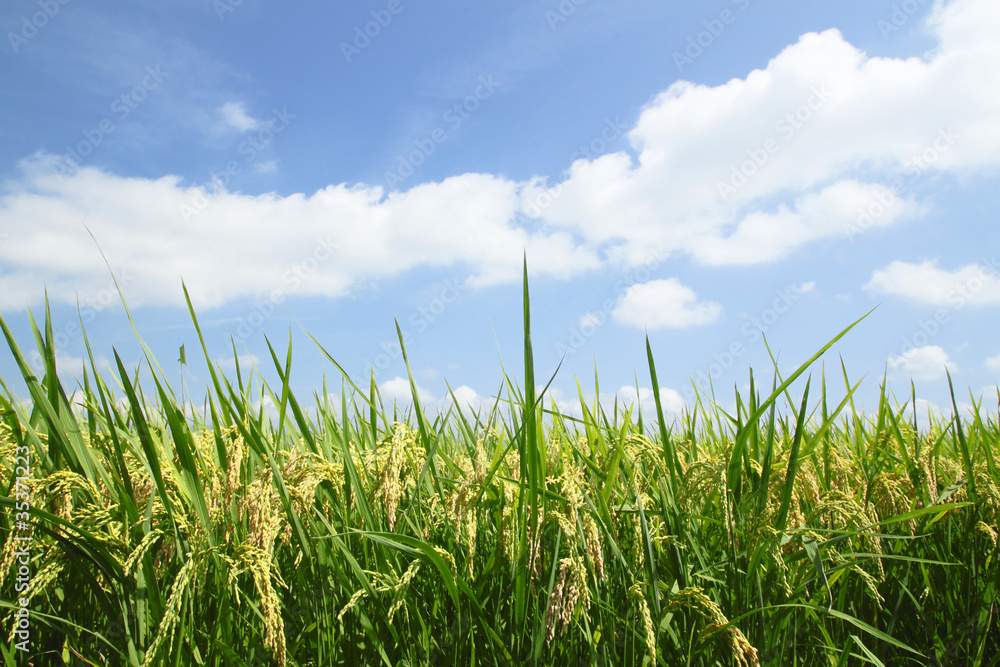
[{"x": 793, "y": 530}]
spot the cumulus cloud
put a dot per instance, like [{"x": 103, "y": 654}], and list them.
[
  {"x": 68, "y": 367},
  {"x": 739, "y": 173},
  {"x": 926, "y": 411},
  {"x": 661, "y": 304},
  {"x": 990, "y": 397},
  {"x": 670, "y": 399},
  {"x": 78, "y": 403},
  {"x": 234, "y": 115},
  {"x": 555, "y": 397},
  {"x": 245, "y": 360},
  {"x": 993, "y": 363},
  {"x": 925, "y": 283},
  {"x": 468, "y": 398},
  {"x": 922, "y": 363},
  {"x": 225, "y": 245},
  {"x": 397, "y": 390},
  {"x": 267, "y": 407},
  {"x": 767, "y": 236},
  {"x": 713, "y": 159}
]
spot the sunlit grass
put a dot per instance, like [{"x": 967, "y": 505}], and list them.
[{"x": 790, "y": 531}]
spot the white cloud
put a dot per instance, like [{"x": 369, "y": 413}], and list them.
[
  {"x": 267, "y": 407},
  {"x": 234, "y": 114},
  {"x": 232, "y": 245},
  {"x": 925, "y": 411},
  {"x": 78, "y": 403},
  {"x": 670, "y": 400},
  {"x": 192, "y": 411},
  {"x": 563, "y": 404},
  {"x": 468, "y": 398},
  {"x": 875, "y": 113},
  {"x": 68, "y": 367},
  {"x": 822, "y": 111},
  {"x": 246, "y": 361},
  {"x": 397, "y": 390},
  {"x": 767, "y": 236},
  {"x": 663, "y": 304},
  {"x": 922, "y": 363},
  {"x": 925, "y": 283},
  {"x": 990, "y": 397},
  {"x": 993, "y": 363}
]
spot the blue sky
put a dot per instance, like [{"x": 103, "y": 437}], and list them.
[{"x": 705, "y": 173}]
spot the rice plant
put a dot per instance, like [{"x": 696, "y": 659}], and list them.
[{"x": 789, "y": 531}]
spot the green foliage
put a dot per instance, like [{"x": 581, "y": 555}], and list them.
[{"x": 340, "y": 534}]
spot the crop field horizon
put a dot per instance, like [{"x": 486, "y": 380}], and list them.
[
  {"x": 792, "y": 530},
  {"x": 274, "y": 390}
]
